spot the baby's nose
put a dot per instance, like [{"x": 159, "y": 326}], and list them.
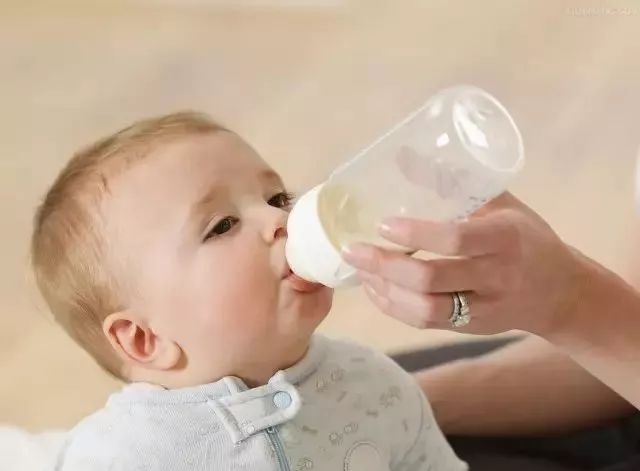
[
  {"x": 280, "y": 232},
  {"x": 276, "y": 228},
  {"x": 275, "y": 234}
]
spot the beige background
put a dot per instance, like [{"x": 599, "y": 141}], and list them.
[{"x": 308, "y": 86}]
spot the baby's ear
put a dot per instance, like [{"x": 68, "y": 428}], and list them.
[{"x": 137, "y": 344}]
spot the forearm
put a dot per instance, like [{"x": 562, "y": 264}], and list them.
[
  {"x": 526, "y": 388},
  {"x": 601, "y": 331}
]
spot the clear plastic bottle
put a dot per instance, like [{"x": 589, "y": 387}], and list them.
[{"x": 442, "y": 162}]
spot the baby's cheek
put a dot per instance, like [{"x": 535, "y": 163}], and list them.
[{"x": 244, "y": 295}]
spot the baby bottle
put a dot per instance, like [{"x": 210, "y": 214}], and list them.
[{"x": 442, "y": 162}]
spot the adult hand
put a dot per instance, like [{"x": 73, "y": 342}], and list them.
[{"x": 513, "y": 268}]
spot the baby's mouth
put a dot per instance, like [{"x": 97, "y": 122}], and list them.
[{"x": 300, "y": 284}]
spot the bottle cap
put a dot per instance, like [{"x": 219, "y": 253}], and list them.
[{"x": 310, "y": 253}]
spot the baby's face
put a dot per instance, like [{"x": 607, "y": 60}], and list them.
[{"x": 201, "y": 226}]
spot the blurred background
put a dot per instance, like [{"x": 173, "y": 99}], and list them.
[{"x": 308, "y": 83}]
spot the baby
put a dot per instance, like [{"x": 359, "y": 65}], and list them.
[{"x": 160, "y": 250}]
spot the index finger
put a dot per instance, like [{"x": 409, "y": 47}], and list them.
[{"x": 486, "y": 235}]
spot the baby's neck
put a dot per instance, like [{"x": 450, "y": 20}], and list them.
[
  {"x": 255, "y": 369},
  {"x": 259, "y": 371}
]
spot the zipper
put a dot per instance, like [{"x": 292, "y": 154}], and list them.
[{"x": 272, "y": 433}]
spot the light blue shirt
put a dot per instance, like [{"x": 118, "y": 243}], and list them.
[{"x": 343, "y": 407}]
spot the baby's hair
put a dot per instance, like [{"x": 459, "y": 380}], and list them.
[{"x": 69, "y": 255}]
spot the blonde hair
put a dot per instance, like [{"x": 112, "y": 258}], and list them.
[{"x": 68, "y": 250}]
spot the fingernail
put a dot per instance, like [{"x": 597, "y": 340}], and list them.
[
  {"x": 369, "y": 289},
  {"x": 386, "y": 225},
  {"x": 356, "y": 254},
  {"x": 384, "y": 228}
]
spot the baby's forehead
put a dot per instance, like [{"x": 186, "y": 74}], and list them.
[
  {"x": 223, "y": 154},
  {"x": 199, "y": 158},
  {"x": 181, "y": 170}
]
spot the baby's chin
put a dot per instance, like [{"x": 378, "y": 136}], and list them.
[{"x": 307, "y": 307}]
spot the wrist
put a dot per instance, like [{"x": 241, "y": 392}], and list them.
[
  {"x": 601, "y": 332},
  {"x": 598, "y": 306},
  {"x": 579, "y": 273}
]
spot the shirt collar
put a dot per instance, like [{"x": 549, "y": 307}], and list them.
[
  {"x": 151, "y": 393},
  {"x": 243, "y": 411}
]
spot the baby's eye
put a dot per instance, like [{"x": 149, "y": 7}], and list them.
[
  {"x": 282, "y": 200},
  {"x": 225, "y": 225}
]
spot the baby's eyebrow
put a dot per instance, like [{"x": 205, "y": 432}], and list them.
[
  {"x": 271, "y": 175},
  {"x": 203, "y": 205}
]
